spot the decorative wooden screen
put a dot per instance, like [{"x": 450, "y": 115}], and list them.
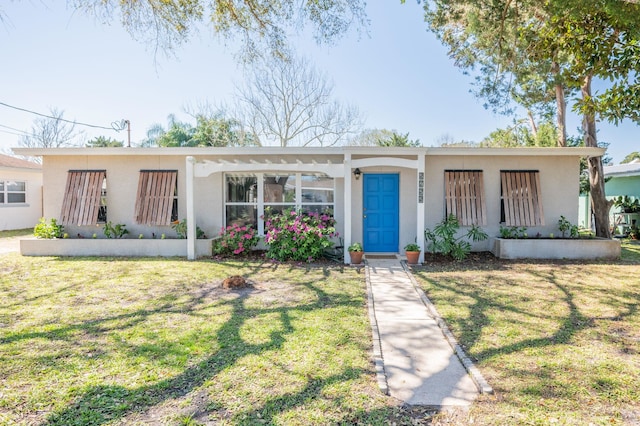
[
  {"x": 154, "y": 203},
  {"x": 464, "y": 196},
  {"x": 82, "y": 197},
  {"x": 522, "y": 202}
]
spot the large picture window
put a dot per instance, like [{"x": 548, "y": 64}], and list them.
[
  {"x": 250, "y": 196},
  {"x": 13, "y": 192},
  {"x": 85, "y": 198},
  {"x": 157, "y": 199},
  {"x": 464, "y": 196},
  {"x": 521, "y": 198}
]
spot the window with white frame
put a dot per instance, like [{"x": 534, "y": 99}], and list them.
[
  {"x": 13, "y": 192},
  {"x": 250, "y": 196}
]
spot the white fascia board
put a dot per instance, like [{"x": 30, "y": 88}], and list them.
[
  {"x": 206, "y": 167},
  {"x": 522, "y": 151},
  {"x": 302, "y": 151}
]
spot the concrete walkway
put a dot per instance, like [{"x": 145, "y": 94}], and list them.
[{"x": 417, "y": 359}]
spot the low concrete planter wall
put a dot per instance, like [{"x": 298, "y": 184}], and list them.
[
  {"x": 534, "y": 248},
  {"x": 115, "y": 247}
]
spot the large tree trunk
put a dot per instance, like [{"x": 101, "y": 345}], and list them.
[
  {"x": 561, "y": 105},
  {"x": 532, "y": 123},
  {"x": 599, "y": 204}
]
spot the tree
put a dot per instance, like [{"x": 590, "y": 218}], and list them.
[
  {"x": 399, "y": 140},
  {"x": 287, "y": 102},
  {"x": 52, "y": 131},
  {"x": 630, "y": 157},
  {"x": 210, "y": 130},
  {"x": 103, "y": 142},
  {"x": 370, "y": 137},
  {"x": 177, "y": 134},
  {"x": 565, "y": 43},
  {"x": 520, "y": 135},
  {"x": 261, "y": 25},
  {"x": 383, "y": 137}
]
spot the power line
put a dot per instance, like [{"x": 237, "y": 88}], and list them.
[
  {"x": 13, "y": 128},
  {"x": 11, "y": 133},
  {"x": 57, "y": 118}
]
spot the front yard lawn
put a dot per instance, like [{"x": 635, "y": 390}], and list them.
[
  {"x": 559, "y": 342},
  {"x": 89, "y": 341}
]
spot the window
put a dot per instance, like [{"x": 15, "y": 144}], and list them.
[
  {"x": 316, "y": 194},
  {"x": 521, "y": 199},
  {"x": 85, "y": 201},
  {"x": 241, "y": 200},
  {"x": 464, "y": 196},
  {"x": 13, "y": 192},
  {"x": 157, "y": 199},
  {"x": 249, "y": 196}
]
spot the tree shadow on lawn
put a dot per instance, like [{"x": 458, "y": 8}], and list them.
[
  {"x": 104, "y": 403},
  {"x": 471, "y": 328}
]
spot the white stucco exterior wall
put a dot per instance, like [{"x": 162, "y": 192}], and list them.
[{"x": 558, "y": 171}]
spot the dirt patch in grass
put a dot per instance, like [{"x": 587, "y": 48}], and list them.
[{"x": 159, "y": 341}]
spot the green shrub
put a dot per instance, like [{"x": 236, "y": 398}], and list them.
[
  {"x": 513, "y": 232},
  {"x": 118, "y": 230},
  {"x": 181, "y": 230},
  {"x": 443, "y": 238},
  {"x": 235, "y": 239},
  {"x": 48, "y": 230},
  {"x": 564, "y": 225},
  {"x": 293, "y": 235}
]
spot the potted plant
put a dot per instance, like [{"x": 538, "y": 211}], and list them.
[
  {"x": 412, "y": 251},
  {"x": 355, "y": 252}
]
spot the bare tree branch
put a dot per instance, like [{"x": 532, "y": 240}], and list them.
[{"x": 287, "y": 102}]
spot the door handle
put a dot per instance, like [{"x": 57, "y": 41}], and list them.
[{"x": 364, "y": 216}]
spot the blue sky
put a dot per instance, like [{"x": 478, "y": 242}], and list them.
[{"x": 399, "y": 76}]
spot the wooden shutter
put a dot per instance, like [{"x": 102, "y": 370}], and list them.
[
  {"x": 156, "y": 189},
  {"x": 82, "y": 197},
  {"x": 521, "y": 198},
  {"x": 464, "y": 196}
]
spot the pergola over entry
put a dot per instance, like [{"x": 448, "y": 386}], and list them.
[{"x": 300, "y": 164}]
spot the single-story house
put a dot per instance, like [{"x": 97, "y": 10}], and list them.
[
  {"x": 381, "y": 197},
  {"x": 20, "y": 193}
]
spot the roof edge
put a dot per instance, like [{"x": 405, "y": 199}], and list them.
[{"x": 244, "y": 151}]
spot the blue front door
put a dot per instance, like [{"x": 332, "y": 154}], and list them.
[{"x": 380, "y": 215}]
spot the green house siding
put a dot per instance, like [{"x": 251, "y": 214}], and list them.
[{"x": 629, "y": 185}]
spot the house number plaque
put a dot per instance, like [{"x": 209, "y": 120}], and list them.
[{"x": 421, "y": 187}]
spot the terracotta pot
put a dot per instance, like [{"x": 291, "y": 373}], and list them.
[
  {"x": 412, "y": 257},
  {"x": 356, "y": 257}
]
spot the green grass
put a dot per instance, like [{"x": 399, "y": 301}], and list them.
[
  {"x": 119, "y": 341},
  {"x": 16, "y": 233},
  {"x": 559, "y": 342}
]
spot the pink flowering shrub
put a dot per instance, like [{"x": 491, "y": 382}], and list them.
[
  {"x": 298, "y": 236},
  {"x": 235, "y": 239}
]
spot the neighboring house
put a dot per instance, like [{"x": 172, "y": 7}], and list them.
[
  {"x": 624, "y": 179},
  {"x": 20, "y": 193},
  {"x": 382, "y": 197},
  {"x": 620, "y": 179}
]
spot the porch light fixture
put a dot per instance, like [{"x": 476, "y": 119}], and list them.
[{"x": 357, "y": 173}]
